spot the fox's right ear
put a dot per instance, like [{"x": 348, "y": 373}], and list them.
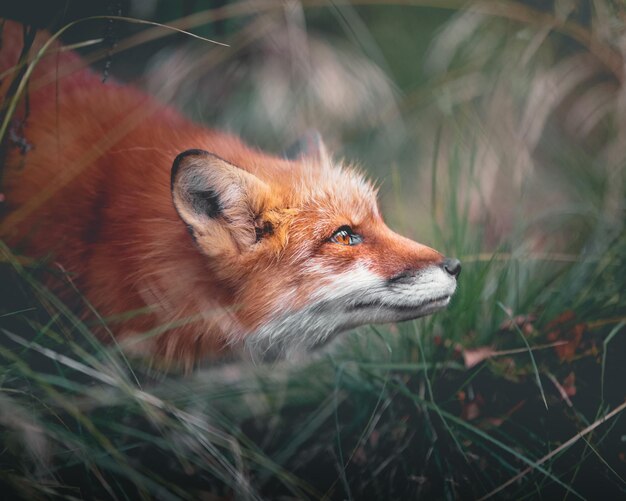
[{"x": 217, "y": 200}]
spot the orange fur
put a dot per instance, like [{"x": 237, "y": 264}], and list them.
[{"x": 95, "y": 193}]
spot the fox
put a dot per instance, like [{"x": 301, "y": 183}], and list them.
[{"x": 220, "y": 249}]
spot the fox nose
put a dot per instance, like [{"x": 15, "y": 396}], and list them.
[{"x": 452, "y": 266}]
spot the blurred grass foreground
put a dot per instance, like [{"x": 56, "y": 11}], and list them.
[{"x": 498, "y": 133}]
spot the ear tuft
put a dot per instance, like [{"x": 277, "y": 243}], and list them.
[{"x": 217, "y": 200}]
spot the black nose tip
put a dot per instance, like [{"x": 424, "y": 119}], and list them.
[{"x": 452, "y": 266}]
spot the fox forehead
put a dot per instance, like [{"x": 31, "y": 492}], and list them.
[{"x": 322, "y": 194}]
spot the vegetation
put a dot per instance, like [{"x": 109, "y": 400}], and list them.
[{"x": 497, "y": 132}]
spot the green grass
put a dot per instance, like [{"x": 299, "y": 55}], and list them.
[{"x": 391, "y": 412}]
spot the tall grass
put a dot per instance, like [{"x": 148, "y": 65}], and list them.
[{"x": 493, "y": 150}]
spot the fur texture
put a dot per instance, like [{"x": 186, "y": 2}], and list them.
[{"x": 224, "y": 249}]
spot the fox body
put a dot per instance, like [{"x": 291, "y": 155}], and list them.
[{"x": 220, "y": 248}]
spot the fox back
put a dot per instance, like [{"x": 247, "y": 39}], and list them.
[{"x": 218, "y": 248}]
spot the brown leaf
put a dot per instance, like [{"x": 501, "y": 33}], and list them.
[
  {"x": 560, "y": 329},
  {"x": 567, "y": 351},
  {"x": 563, "y": 318}
]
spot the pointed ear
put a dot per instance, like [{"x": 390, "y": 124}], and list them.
[
  {"x": 310, "y": 145},
  {"x": 218, "y": 201}
]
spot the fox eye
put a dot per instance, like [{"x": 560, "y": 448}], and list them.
[{"x": 345, "y": 236}]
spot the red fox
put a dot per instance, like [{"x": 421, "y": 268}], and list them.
[{"x": 222, "y": 249}]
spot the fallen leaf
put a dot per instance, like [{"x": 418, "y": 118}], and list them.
[
  {"x": 566, "y": 351},
  {"x": 563, "y": 318}
]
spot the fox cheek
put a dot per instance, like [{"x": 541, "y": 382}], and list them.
[{"x": 217, "y": 202}]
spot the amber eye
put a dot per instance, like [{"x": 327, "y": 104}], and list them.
[{"x": 345, "y": 236}]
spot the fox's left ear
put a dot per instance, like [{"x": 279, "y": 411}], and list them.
[
  {"x": 217, "y": 200},
  {"x": 309, "y": 145}
]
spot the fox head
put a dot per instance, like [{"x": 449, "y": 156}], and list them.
[{"x": 303, "y": 250}]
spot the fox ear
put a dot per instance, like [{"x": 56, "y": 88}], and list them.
[
  {"x": 310, "y": 145},
  {"x": 218, "y": 201}
]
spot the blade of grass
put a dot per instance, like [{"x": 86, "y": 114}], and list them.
[
  {"x": 530, "y": 351},
  {"x": 605, "y": 346}
]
